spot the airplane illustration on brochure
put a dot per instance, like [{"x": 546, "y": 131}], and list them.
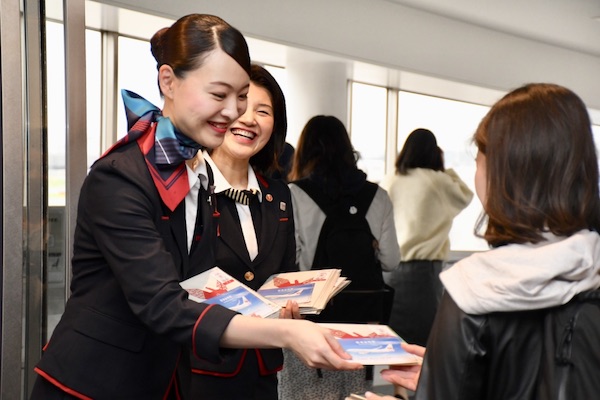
[
  {"x": 389, "y": 348},
  {"x": 242, "y": 303},
  {"x": 281, "y": 296}
]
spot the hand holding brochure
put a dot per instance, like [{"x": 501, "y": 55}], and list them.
[
  {"x": 371, "y": 344},
  {"x": 214, "y": 286}
]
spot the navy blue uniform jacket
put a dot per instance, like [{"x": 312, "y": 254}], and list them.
[
  {"x": 276, "y": 253},
  {"x": 128, "y": 320}
]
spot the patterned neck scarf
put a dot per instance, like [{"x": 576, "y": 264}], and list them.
[{"x": 164, "y": 148}]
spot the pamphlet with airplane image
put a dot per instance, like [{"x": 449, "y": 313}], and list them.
[
  {"x": 215, "y": 286},
  {"x": 311, "y": 289},
  {"x": 371, "y": 344},
  {"x": 280, "y": 295}
]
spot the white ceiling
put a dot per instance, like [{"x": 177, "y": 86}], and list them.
[
  {"x": 573, "y": 24},
  {"x": 492, "y": 44}
]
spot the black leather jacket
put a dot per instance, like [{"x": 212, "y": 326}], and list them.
[{"x": 513, "y": 355}]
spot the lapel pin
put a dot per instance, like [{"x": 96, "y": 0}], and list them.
[
  {"x": 269, "y": 197},
  {"x": 282, "y": 205}
]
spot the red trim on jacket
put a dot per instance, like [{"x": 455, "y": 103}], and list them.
[
  {"x": 196, "y": 327},
  {"x": 60, "y": 385},
  {"x": 262, "y": 180},
  {"x": 223, "y": 374},
  {"x": 173, "y": 383},
  {"x": 263, "y": 368}
]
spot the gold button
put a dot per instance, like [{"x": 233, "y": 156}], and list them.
[{"x": 249, "y": 276}]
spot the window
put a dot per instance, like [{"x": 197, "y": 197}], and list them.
[
  {"x": 56, "y": 106},
  {"x": 453, "y": 123},
  {"x": 55, "y": 67},
  {"x": 368, "y": 127},
  {"x": 93, "y": 49},
  {"x": 136, "y": 72}
]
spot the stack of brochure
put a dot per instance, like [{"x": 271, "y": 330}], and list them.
[
  {"x": 214, "y": 286},
  {"x": 370, "y": 344},
  {"x": 311, "y": 289}
]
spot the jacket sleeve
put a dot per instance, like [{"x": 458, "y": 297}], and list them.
[
  {"x": 308, "y": 220},
  {"x": 381, "y": 221},
  {"x": 494, "y": 356},
  {"x": 454, "y": 366},
  {"x": 457, "y": 192}
]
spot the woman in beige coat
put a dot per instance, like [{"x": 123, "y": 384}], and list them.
[{"x": 426, "y": 198}]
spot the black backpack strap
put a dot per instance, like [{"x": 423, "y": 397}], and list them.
[
  {"x": 365, "y": 197},
  {"x": 362, "y": 200},
  {"x": 315, "y": 193}
]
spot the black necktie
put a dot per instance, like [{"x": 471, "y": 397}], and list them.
[{"x": 241, "y": 196}]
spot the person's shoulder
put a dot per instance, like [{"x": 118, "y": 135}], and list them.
[
  {"x": 381, "y": 204},
  {"x": 434, "y": 177},
  {"x": 375, "y": 188},
  {"x": 295, "y": 186},
  {"x": 383, "y": 193},
  {"x": 124, "y": 154},
  {"x": 301, "y": 197},
  {"x": 125, "y": 161}
]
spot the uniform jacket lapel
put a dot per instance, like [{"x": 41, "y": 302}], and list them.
[
  {"x": 270, "y": 213},
  {"x": 177, "y": 218},
  {"x": 230, "y": 230}
]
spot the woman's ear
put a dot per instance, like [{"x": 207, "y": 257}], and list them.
[{"x": 166, "y": 80}]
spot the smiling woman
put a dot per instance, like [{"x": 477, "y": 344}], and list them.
[
  {"x": 145, "y": 219},
  {"x": 256, "y": 239},
  {"x": 207, "y": 81}
]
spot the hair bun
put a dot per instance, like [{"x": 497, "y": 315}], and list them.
[{"x": 156, "y": 46}]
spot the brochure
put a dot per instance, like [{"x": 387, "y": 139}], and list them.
[
  {"x": 214, "y": 286},
  {"x": 311, "y": 289},
  {"x": 371, "y": 344}
]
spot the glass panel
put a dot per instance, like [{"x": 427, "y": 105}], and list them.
[
  {"x": 56, "y": 259},
  {"x": 453, "y": 123},
  {"x": 596, "y": 133},
  {"x": 55, "y": 65},
  {"x": 368, "y": 128},
  {"x": 93, "y": 70},
  {"x": 137, "y": 73}
]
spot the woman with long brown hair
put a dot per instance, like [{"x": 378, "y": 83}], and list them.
[{"x": 522, "y": 320}]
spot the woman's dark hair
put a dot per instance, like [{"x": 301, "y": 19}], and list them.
[
  {"x": 324, "y": 149},
  {"x": 420, "y": 150},
  {"x": 191, "y": 38},
  {"x": 541, "y": 166},
  {"x": 266, "y": 161}
]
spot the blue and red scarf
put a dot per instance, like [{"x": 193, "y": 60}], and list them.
[{"x": 164, "y": 148}]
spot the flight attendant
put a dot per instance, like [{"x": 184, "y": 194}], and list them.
[
  {"x": 255, "y": 234},
  {"x": 128, "y": 323}
]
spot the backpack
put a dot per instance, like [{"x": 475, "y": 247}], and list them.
[
  {"x": 345, "y": 240},
  {"x": 347, "y": 243},
  {"x": 571, "y": 364}
]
